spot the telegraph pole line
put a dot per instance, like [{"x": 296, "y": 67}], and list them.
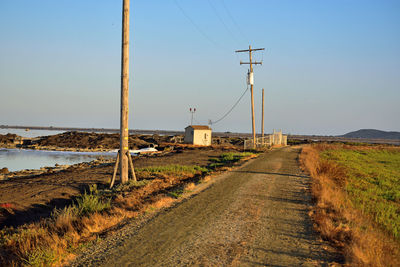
[
  {"x": 251, "y": 81},
  {"x": 262, "y": 115},
  {"x": 124, "y": 129}
]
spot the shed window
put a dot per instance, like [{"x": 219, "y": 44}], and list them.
[{"x": 205, "y": 136}]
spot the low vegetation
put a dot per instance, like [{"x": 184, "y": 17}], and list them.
[
  {"x": 373, "y": 183},
  {"x": 357, "y": 195},
  {"x": 175, "y": 170},
  {"x": 228, "y": 159},
  {"x": 53, "y": 240}
]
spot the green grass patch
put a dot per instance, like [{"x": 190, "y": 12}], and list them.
[
  {"x": 87, "y": 203},
  {"x": 227, "y": 159},
  {"x": 45, "y": 257},
  {"x": 91, "y": 203},
  {"x": 373, "y": 183},
  {"x": 177, "y": 193},
  {"x": 173, "y": 169}
]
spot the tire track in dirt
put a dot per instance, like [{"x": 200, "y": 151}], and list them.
[{"x": 253, "y": 216}]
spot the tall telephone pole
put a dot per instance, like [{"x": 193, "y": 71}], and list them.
[
  {"x": 251, "y": 80},
  {"x": 262, "y": 115},
  {"x": 124, "y": 129}
]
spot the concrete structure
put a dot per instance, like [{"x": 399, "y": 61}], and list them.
[{"x": 198, "y": 135}]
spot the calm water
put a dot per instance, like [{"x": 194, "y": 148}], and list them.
[
  {"x": 30, "y": 133},
  {"x": 20, "y": 159}
]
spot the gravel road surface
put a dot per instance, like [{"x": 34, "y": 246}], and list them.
[{"x": 252, "y": 216}]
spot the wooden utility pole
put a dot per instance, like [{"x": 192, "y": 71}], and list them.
[
  {"x": 124, "y": 129},
  {"x": 251, "y": 81},
  {"x": 262, "y": 115}
]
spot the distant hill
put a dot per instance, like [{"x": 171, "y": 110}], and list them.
[{"x": 372, "y": 134}]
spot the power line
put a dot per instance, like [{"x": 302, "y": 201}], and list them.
[
  {"x": 233, "y": 20},
  {"x": 229, "y": 111},
  {"x": 222, "y": 22},
  {"x": 196, "y": 121},
  {"x": 196, "y": 26}
]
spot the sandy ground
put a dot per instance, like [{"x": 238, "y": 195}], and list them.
[{"x": 253, "y": 216}]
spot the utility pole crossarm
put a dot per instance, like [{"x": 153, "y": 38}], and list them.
[
  {"x": 254, "y": 63},
  {"x": 249, "y": 50}
]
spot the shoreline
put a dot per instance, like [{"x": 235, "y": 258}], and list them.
[
  {"x": 103, "y": 156},
  {"x": 54, "y": 148},
  {"x": 27, "y": 173}
]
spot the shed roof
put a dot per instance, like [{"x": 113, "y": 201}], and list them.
[{"x": 199, "y": 127}]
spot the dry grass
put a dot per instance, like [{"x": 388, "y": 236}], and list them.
[
  {"x": 160, "y": 203},
  {"x": 206, "y": 179},
  {"x": 190, "y": 187},
  {"x": 50, "y": 241},
  {"x": 361, "y": 240}
]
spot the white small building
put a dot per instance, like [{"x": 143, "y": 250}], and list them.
[{"x": 198, "y": 135}]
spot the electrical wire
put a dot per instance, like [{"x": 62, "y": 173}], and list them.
[
  {"x": 196, "y": 26},
  {"x": 196, "y": 121},
  {"x": 234, "y": 21},
  {"x": 229, "y": 111},
  {"x": 223, "y": 23},
  {"x": 216, "y": 44}
]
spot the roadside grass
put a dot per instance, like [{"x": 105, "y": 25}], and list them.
[
  {"x": 130, "y": 185},
  {"x": 355, "y": 189},
  {"x": 181, "y": 190},
  {"x": 46, "y": 242},
  {"x": 228, "y": 159},
  {"x": 176, "y": 193},
  {"x": 170, "y": 170},
  {"x": 373, "y": 183},
  {"x": 53, "y": 240}
]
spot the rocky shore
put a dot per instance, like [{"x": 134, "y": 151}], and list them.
[{"x": 100, "y": 142}]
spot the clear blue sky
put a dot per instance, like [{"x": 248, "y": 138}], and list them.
[{"x": 329, "y": 66}]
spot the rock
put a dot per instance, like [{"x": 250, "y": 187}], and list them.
[{"x": 4, "y": 171}]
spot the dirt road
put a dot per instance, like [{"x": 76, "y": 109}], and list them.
[{"x": 254, "y": 216}]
